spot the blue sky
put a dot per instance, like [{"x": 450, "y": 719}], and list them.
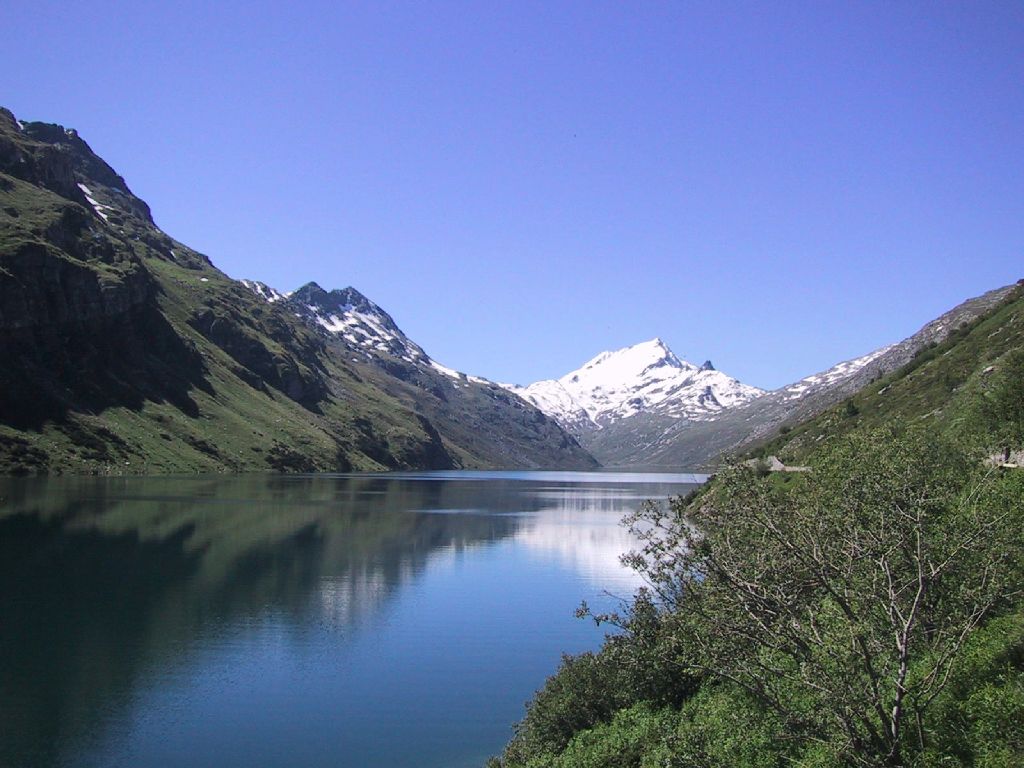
[{"x": 774, "y": 186}]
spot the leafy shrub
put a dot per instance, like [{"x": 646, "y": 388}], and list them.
[
  {"x": 722, "y": 727},
  {"x": 643, "y": 664},
  {"x": 635, "y": 738},
  {"x": 866, "y": 614},
  {"x": 979, "y": 717}
]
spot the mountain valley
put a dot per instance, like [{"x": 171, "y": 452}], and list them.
[{"x": 128, "y": 352}]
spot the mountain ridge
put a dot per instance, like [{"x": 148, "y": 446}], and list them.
[
  {"x": 126, "y": 351},
  {"x": 478, "y": 412},
  {"x": 707, "y": 444}
]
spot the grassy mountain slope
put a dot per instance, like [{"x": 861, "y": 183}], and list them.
[
  {"x": 940, "y": 388},
  {"x": 126, "y": 351},
  {"x": 480, "y": 423}
]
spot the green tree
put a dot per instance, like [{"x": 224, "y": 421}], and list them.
[{"x": 842, "y": 605}]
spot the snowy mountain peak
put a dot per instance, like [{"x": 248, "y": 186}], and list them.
[
  {"x": 644, "y": 378},
  {"x": 263, "y": 290},
  {"x": 612, "y": 370},
  {"x": 338, "y": 301},
  {"x": 349, "y": 315}
]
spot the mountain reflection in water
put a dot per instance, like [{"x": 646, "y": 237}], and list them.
[{"x": 274, "y": 620}]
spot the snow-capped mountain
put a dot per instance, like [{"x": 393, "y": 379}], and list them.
[
  {"x": 644, "y": 406},
  {"x": 645, "y": 378},
  {"x": 694, "y": 443},
  {"x": 349, "y": 315},
  {"x": 479, "y": 417}
]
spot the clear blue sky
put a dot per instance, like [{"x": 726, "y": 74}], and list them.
[{"x": 774, "y": 186}]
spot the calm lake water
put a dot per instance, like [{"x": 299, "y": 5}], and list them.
[{"x": 353, "y": 620}]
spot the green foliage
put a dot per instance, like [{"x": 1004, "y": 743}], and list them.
[
  {"x": 820, "y": 603},
  {"x": 1002, "y": 401},
  {"x": 943, "y": 388},
  {"x": 979, "y": 718},
  {"x": 582, "y": 694},
  {"x": 642, "y": 664},
  {"x": 839, "y": 619},
  {"x": 635, "y": 738},
  {"x": 722, "y": 726}
]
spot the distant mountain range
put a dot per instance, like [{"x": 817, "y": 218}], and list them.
[
  {"x": 125, "y": 350},
  {"x": 643, "y": 406}
]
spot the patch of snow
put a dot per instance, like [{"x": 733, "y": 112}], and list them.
[
  {"x": 204, "y": 279},
  {"x": 98, "y": 207},
  {"x": 838, "y": 372},
  {"x": 262, "y": 290},
  {"x": 367, "y": 329},
  {"x": 550, "y": 397},
  {"x": 364, "y": 326},
  {"x": 445, "y": 370}
]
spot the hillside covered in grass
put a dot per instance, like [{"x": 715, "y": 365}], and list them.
[
  {"x": 125, "y": 351},
  {"x": 869, "y": 612},
  {"x": 946, "y": 387}
]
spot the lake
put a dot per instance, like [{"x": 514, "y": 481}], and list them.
[{"x": 297, "y": 620}]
